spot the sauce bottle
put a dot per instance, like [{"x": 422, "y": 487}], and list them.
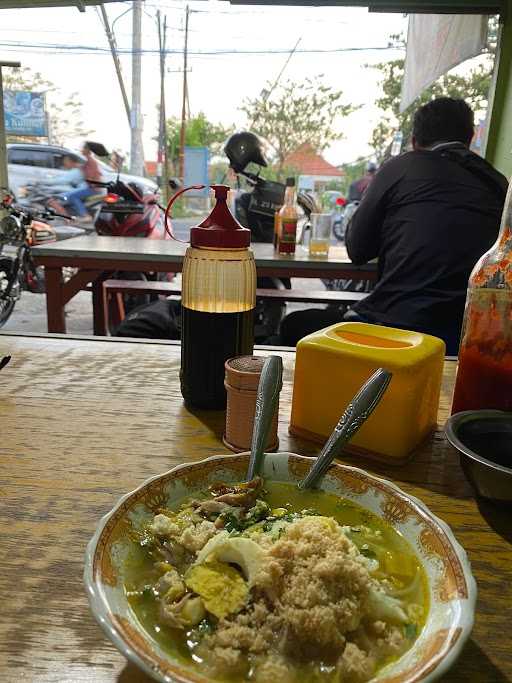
[
  {"x": 288, "y": 217},
  {"x": 218, "y": 301},
  {"x": 277, "y": 229},
  {"x": 484, "y": 376}
]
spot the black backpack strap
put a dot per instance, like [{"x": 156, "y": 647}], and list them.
[{"x": 480, "y": 168}]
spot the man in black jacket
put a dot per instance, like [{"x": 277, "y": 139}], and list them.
[{"x": 427, "y": 216}]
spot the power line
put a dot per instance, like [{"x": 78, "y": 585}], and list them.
[
  {"x": 7, "y": 29},
  {"x": 90, "y": 49}
]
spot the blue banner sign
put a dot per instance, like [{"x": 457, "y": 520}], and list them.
[
  {"x": 196, "y": 170},
  {"x": 25, "y": 114}
]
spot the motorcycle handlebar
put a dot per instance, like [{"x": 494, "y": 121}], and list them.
[
  {"x": 101, "y": 183},
  {"x": 22, "y": 212},
  {"x": 51, "y": 213}
]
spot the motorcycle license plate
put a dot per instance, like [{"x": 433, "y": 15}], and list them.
[
  {"x": 123, "y": 207},
  {"x": 267, "y": 199}
]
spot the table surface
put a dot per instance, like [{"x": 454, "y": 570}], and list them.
[
  {"x": 83, "y": 421},
  {"x": 137, "y": 248}
]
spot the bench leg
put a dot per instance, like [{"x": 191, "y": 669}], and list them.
[
  {"x": 116, "y": 309},
  {"x": 99, "y": 306},
  {"x": 55, "y": 314}
]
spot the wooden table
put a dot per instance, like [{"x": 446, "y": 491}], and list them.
[
  {"x": 97, "y": 257},
  {"x": 84, "y": 421}
]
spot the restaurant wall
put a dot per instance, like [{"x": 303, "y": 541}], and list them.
[{"x": 498, "y": 149}]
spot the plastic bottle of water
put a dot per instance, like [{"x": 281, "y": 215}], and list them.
[{"x": 396, "y": 146}]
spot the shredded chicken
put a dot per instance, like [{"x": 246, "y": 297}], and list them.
[
  {"x": 239, "y": 495},
  {"x": 193, "y": 537},
  {"x": 212, "y": 507}
]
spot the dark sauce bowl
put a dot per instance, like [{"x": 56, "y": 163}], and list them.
[{"x": 484, "y": 441}]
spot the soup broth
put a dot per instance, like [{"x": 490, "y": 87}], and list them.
[{"x": 161, "y": 573}]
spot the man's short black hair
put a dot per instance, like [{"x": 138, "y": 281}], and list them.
[{"x": 443, "y": 120}]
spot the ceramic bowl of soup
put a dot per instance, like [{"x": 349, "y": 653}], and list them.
[{"x": 196, "y": 577}]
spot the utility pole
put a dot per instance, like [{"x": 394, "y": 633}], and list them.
[
  {"x": 4, "y": 178},
  {"x": 117, "y": 64},
  {"x": 184, "y": 101},
  {"x": 136, "y": 149},
  {"x": 162, "y": 165}
]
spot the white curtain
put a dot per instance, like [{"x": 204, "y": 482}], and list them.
[{"x": 435, "y": 44}]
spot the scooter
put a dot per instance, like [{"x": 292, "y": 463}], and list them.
[
  {"x": 255, "y": 209},
  {"x": 125, "y": 211},
  {"x": 341, "y": 215},
  {"x": 20, "y": 230}
]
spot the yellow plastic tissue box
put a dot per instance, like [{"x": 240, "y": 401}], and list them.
[{"x": 330, "y": 368}]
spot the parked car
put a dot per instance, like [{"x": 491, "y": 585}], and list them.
[{"x": 30, "y": 163}]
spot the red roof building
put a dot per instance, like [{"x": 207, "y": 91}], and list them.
[
  {"x": 151, "y": 168},
  {"x": 307, "y": 162}
]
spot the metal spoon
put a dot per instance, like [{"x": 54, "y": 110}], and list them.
[
  {"x": 357, "y": 412},
  {"x": 271, "y": 382}
]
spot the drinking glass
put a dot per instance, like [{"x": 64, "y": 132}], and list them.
[{"x": 321, "y": 224}]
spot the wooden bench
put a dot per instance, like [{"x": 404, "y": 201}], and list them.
[{"x": 113, "y": 291}]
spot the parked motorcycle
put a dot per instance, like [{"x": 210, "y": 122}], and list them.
[
  {"x": 126, "y": 211},
  {"x": 20, "y": 231},
  {"x": 255, "y": 209},
  {"x": 340, "y": 218}
]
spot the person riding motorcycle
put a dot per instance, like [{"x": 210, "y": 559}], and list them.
[
  {"x": 69, "y": 179},
  {"x": 358, "y": 187},
  {"x": 92, "y": 174},
  {"x": 53, "y": 191}
]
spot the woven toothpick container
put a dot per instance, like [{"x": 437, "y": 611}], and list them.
[{"x": 241, "y": 382}]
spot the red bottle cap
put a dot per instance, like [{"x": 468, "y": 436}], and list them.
[{"x": 220, "y": 229}]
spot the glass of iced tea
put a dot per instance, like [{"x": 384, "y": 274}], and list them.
[{"x": 321, "y": 224}]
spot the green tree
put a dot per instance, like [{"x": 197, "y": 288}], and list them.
[
  {"x": 199, "y": 132},
  {"x": 294, "y": 113},
  {"x": 474, "y": 88},
  {"x": 66, "y": 119}
]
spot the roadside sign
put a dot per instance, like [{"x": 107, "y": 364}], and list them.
[
  {"x": 196, "y": 170},
  {"x": 306, "y": 182},
  {"x": 25, "y": 113}
]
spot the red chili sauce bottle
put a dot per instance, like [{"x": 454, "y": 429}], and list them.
[{"x": 484, "y": 376}]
